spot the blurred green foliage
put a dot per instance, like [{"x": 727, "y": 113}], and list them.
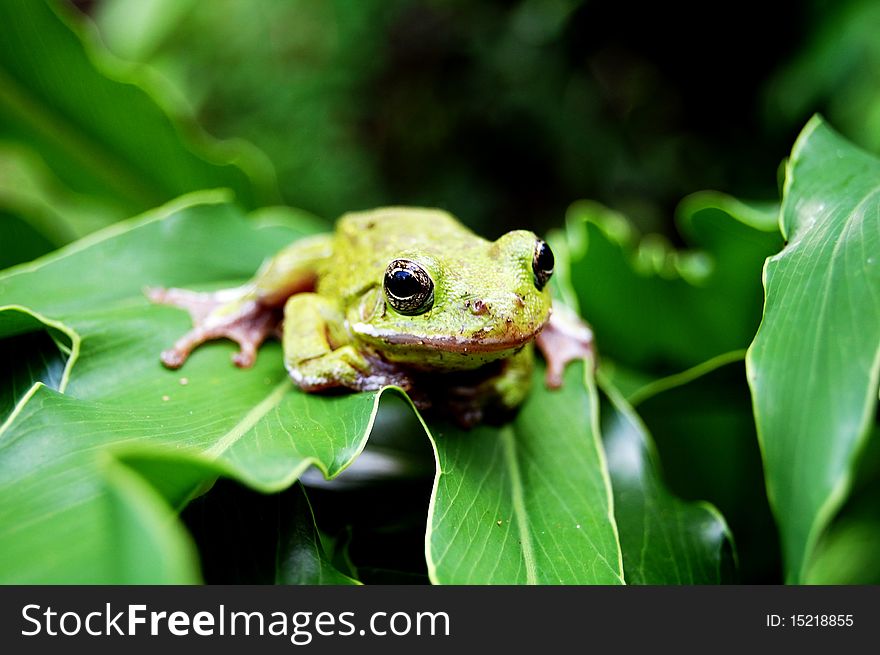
[
  {"x": 87, "y": 140},
  {"x": 835, "y": 70},
  {"x": 502, "y": 112}
]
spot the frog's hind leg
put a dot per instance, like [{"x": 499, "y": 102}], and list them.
[
  {"x": 470, "y": 400},
  {"x": 224, "y": 314}
]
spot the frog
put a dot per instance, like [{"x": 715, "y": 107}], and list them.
[{"x": 399, "y": 296}]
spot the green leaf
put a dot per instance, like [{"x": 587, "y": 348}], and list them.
[
  {"x": 74, "y": 514},
  {"x": 664, "y": 539},
  {"x": 814, "y": 364},
  {"x": 102, "y": 128},
  {"x": 150, "y": 545},
  {"x": 847, "y": 555},
  {"x": 847, "y": 552},
  {"x": 652, "y": 307},
  {"x": 526, "y": 503},
  {"x": 301, "y": 557}
]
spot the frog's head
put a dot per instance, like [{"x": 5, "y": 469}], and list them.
[{"x": 458, "y": 305}]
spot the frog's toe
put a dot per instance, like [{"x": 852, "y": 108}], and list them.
[
  {"x": 198, "y": 304},
  {"x": 246, "y": 356},
  {"x": 161, "y": 295},
  {"x": 249, "y": 331},
  {"x": 173, "y": 358}
]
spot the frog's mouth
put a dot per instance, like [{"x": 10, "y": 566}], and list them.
[{"x": 453, "y": 343}]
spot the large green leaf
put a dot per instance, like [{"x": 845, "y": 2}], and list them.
[
  {"x": 97, "y": 127},
  {"x": 526, "y": 503},
  {"x": 814, "y": 364},
  {"x": 664, "y": 539},
  {"x": 652, "y": 307}
]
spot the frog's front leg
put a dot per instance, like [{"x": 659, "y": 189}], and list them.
[
  {"x": 564, "y": 339},
  {"x": 318, "y": 353},
  {"x": 249, "y": 313},
  {"x": 228, "y": 314}
]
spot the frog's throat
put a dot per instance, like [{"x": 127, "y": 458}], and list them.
[{"x": 452, "y": 343}]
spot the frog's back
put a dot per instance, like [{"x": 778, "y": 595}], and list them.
[
  {"x": 400, "y": 227},
  {"x": 365, "y": 242}
]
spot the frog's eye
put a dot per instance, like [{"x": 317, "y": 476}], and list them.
[
  {"x": 408, "y": 287},
  {"x": 542, "y": 263}
]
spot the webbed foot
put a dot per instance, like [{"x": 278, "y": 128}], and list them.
[
  {"x": 565, "y": 338},
  {"x": 224, "y": 314}
]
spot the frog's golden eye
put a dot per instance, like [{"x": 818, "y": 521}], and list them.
[
  {"x": 408, "y": 287},
  {"x": 542, "y": 263}
]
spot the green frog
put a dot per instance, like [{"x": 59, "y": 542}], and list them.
[{"x": 399, "y": 296}]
